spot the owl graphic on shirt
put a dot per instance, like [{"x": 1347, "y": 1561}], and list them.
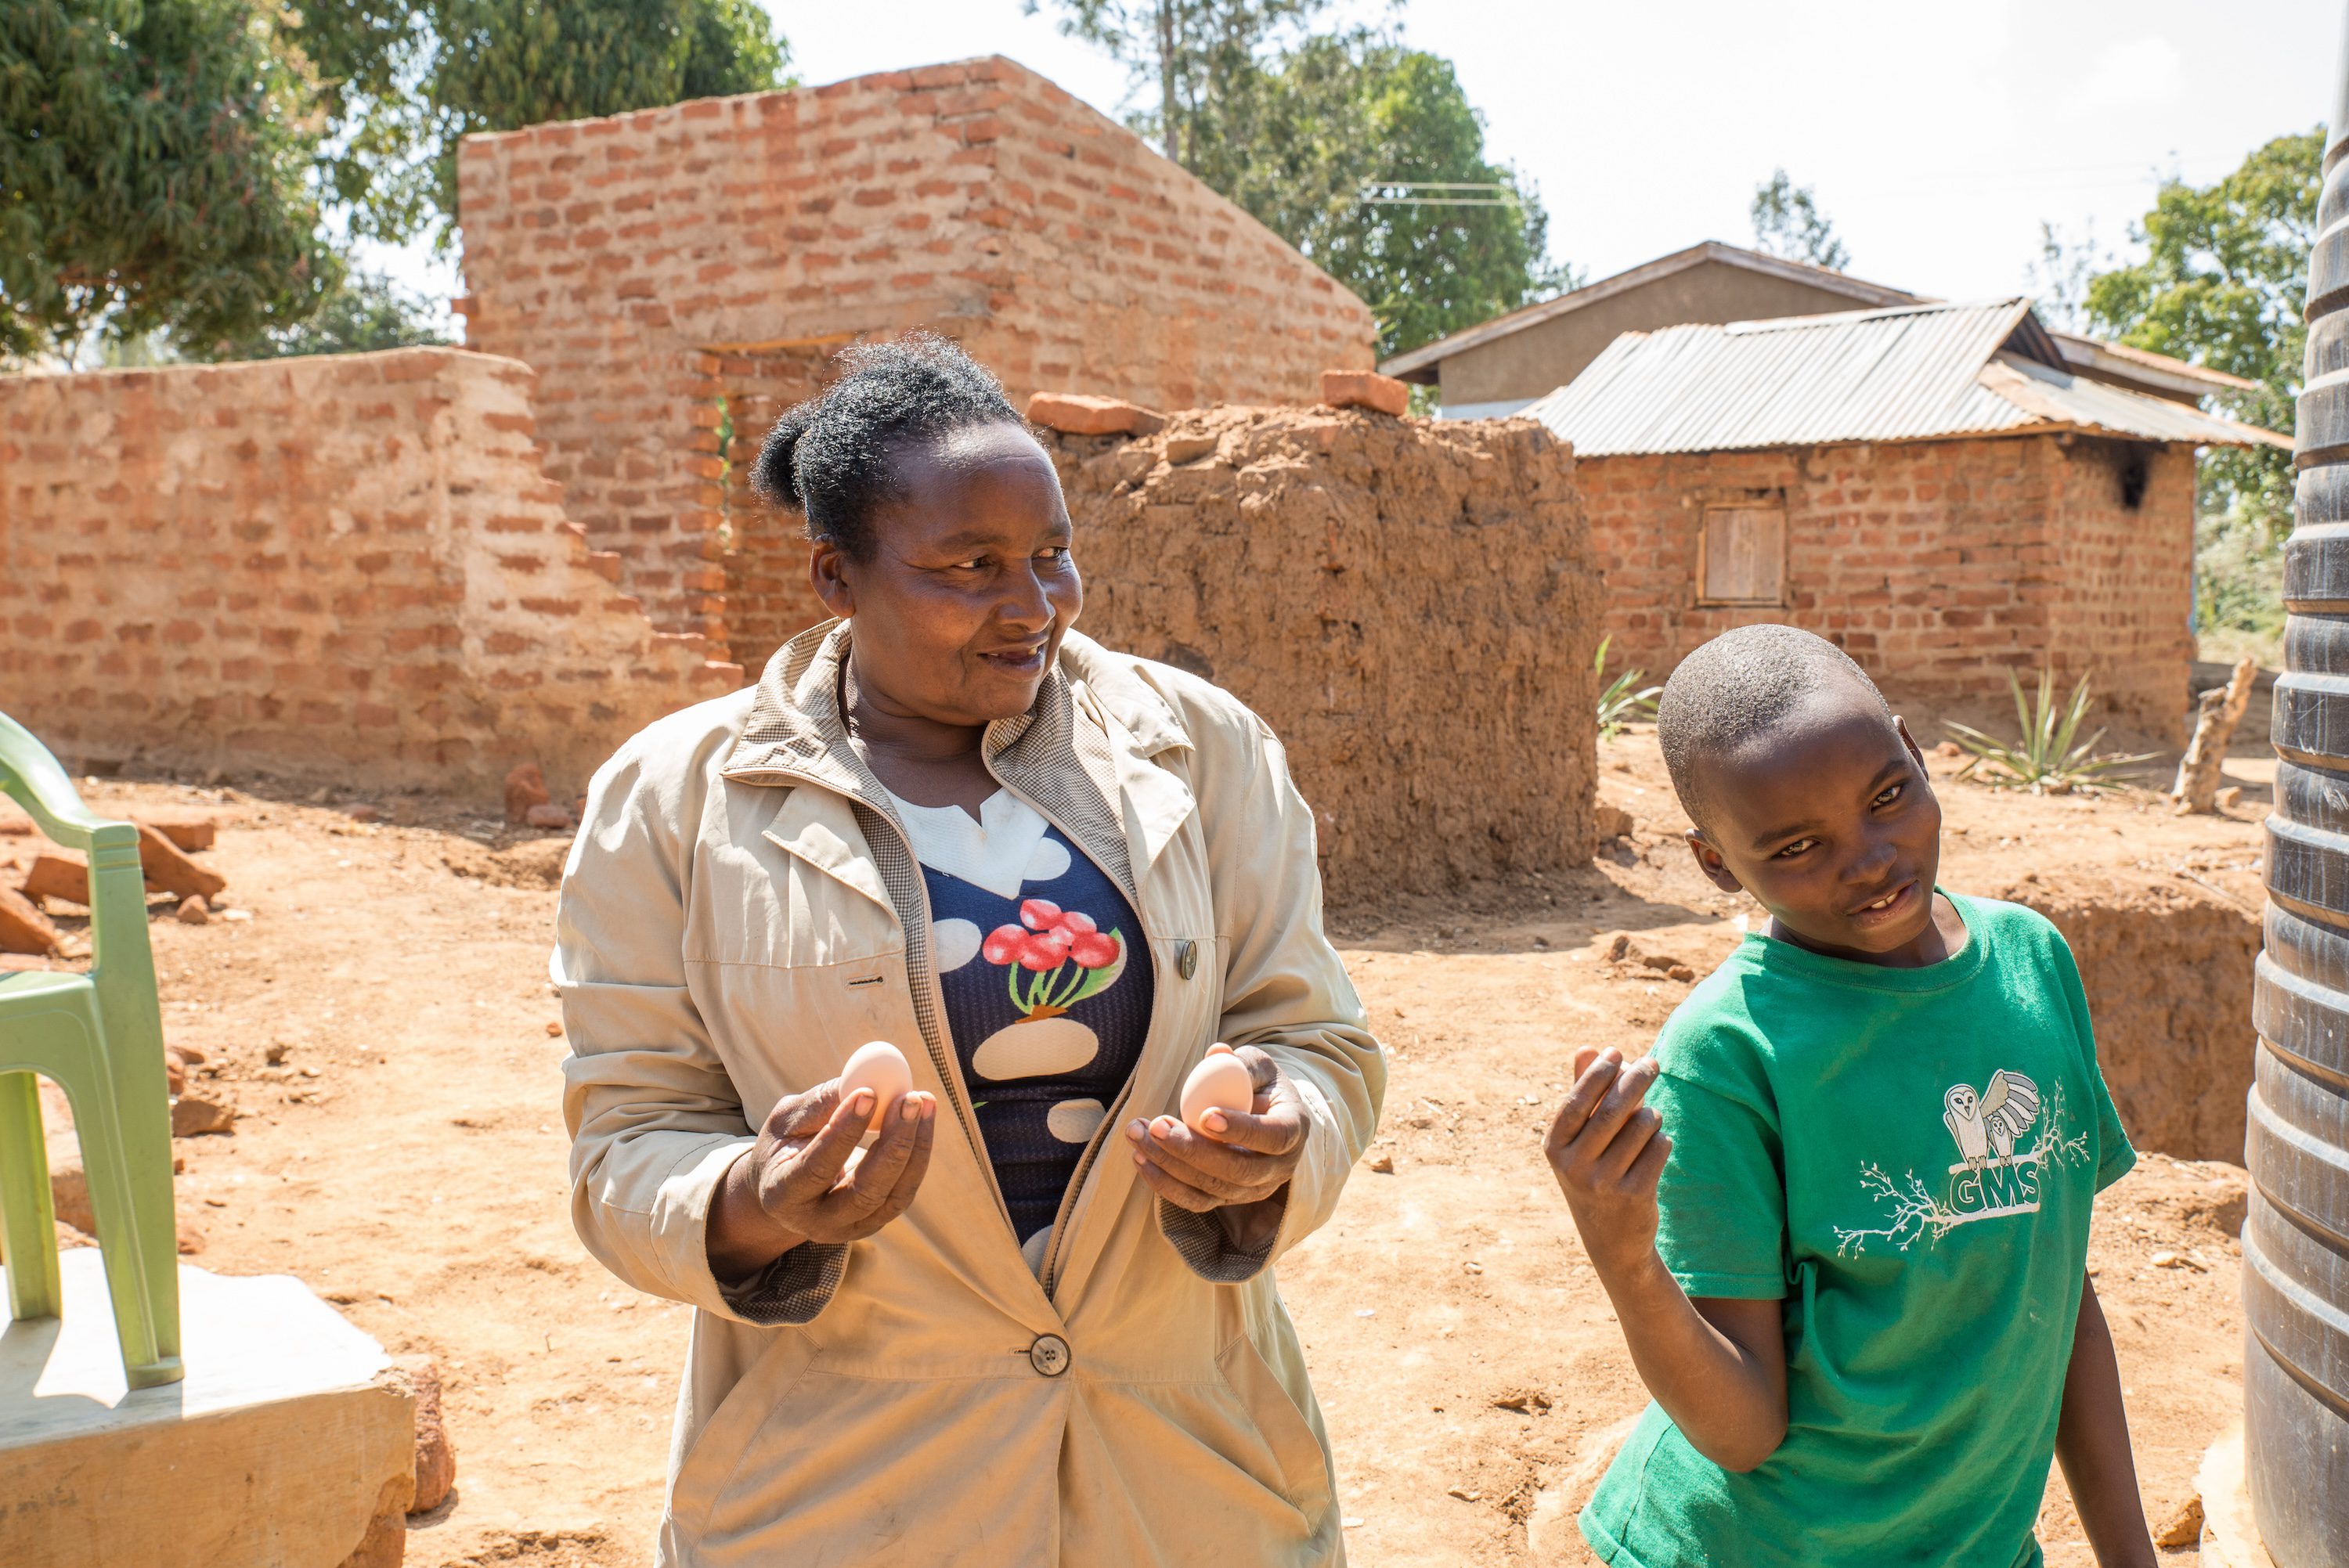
[{"x": 1988, "y": 1124}]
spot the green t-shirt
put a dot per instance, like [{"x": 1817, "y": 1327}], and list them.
[{"x": 1909, "y": 1157}]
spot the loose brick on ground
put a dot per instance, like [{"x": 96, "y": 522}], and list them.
[
  {"x": 23, "y": 927},
  {"x": 166, "y": 867},
  {"x": 525, "y": 791},
  {"x": 192, "y": 832},
  {"x": 194, "y": 1116},
  {"x": 58, "y": 873}
]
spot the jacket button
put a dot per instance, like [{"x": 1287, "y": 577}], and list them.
[
  {"x": 1186, "y": 957},
  {"x": 1049, "y": 1354}
]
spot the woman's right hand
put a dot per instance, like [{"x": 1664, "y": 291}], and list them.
[{"x": 805, "y": 1180}]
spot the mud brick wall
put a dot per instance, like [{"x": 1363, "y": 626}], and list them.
[
  {"x": 644, "y": 263},
  {"x": 349, "y": 567},
  {"x": 1938, "y": 565},
  {"x": 1410, "y": 605},
  {"x": 2167, "y": 973}
]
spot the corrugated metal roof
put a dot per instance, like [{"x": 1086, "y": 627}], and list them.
[
  {"x": 2142, "y": 364},
  {"x": 1427, "y": 355},
  {"x": 1908, "y": 373},
  {"x": 2099, "y": 406}
]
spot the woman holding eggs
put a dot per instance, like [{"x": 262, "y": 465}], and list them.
[{"x": 1028, "y": 1317}]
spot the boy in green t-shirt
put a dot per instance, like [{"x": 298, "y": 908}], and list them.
[{"x": 1847, "y": 1234}]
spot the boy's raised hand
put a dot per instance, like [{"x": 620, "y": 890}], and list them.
[
  {"x": 1717, "y": 1366},
  {"x": 1607, "y": 1151}
]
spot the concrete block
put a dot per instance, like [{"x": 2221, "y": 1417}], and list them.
[
  {"x": 289, "y": 1444},
  {"x": 2231, "y": 1536}
]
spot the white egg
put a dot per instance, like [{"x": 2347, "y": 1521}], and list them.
[
  {"x": 1220, "y": 1082},
  {"x": 880, "y": 1066}
]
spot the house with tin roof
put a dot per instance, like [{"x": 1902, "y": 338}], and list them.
[
  {"x": 1948, "y": 491},
  {"x": 1498, "y": 366}
]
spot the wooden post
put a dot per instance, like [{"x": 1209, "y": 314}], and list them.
[{"x": 2222, "y": 709}]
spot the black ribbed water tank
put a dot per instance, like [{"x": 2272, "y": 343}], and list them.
[{"x": 2296, "y": 1237}]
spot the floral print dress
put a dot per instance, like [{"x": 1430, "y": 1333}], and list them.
[{"x": 1048, "y": 989}]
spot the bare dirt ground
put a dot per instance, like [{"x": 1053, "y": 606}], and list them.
[{"x": 404, "y": 1157}]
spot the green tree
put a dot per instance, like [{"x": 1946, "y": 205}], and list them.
[
  {"x": 1364, "y": 154},
  {"x": 406, "y": 81},
  {"x": 1368, "y": 156},
  {"x": 153, "y": 176},
  {"x": 2224, "y": 284},
  {"x": 379, "y": 166},
  {"x": 1788, "y": 222},
  {"x": 363, "y": 312},
  {"x": 1189, "y": 50}
]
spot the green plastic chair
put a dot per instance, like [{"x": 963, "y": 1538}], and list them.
[{"x": 101, "y": 1036}]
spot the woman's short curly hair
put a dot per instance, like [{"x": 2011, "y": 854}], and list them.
[{"x": 832, "y": 455}]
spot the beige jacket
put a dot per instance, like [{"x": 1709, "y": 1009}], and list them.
[{"x": 740, "y": 913}]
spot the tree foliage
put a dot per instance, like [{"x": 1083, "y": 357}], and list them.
[
  {"x": 363, "y": 312},
  {"x": 2224, "y": 284},
  {"x": 510, "y": 63},
  {"x": 153, "y": 163},
  {"x": 1306, "y": 143},
  {"x": 1190, "y": 52},
  {"x": 1788, "y": 222},
  {"x": 406, "y": 81},
  {"x": 1303, "y": 129}
]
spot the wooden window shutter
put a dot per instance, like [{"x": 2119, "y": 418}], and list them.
[{"x": 1742, "y": 557}]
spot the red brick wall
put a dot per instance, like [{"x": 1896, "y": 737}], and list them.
[
  {"x": 768, "y": 597},
  {"x": 349, "y": 567},
  {"x": 2127, "y": 576},
  {"x": 1939, "y": 565},
  {"x": 613, "y": 255}
]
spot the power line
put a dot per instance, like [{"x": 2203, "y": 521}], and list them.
[{"x": 1375, "y": 193}]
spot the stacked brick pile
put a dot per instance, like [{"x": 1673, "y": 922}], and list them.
[
  {"x": 349, "y": 567},
  {"x": 1412, "y": 606},
  {"x": 1939, "y": 565},
  {"x": 663, "y": 268}
]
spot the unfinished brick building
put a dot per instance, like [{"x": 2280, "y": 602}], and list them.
[
  {"x": 349, "y": 566},
  {"x": 354, "y": 569},
  {"x": 1926, "y": 485},
  {"x": 678, "y": 275}
]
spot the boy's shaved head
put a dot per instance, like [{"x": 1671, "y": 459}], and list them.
[{"x": 1739, "y": 686}]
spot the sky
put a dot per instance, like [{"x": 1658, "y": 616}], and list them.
[{"x": 1936, "y": 139}]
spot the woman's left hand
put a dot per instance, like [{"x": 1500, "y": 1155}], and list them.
[{"x": 1247, "y": 1160}]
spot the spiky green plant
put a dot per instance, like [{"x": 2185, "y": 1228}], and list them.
[
  {"x": 2047, "y": 760},
  {"x": 1618, "y": 704}
]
